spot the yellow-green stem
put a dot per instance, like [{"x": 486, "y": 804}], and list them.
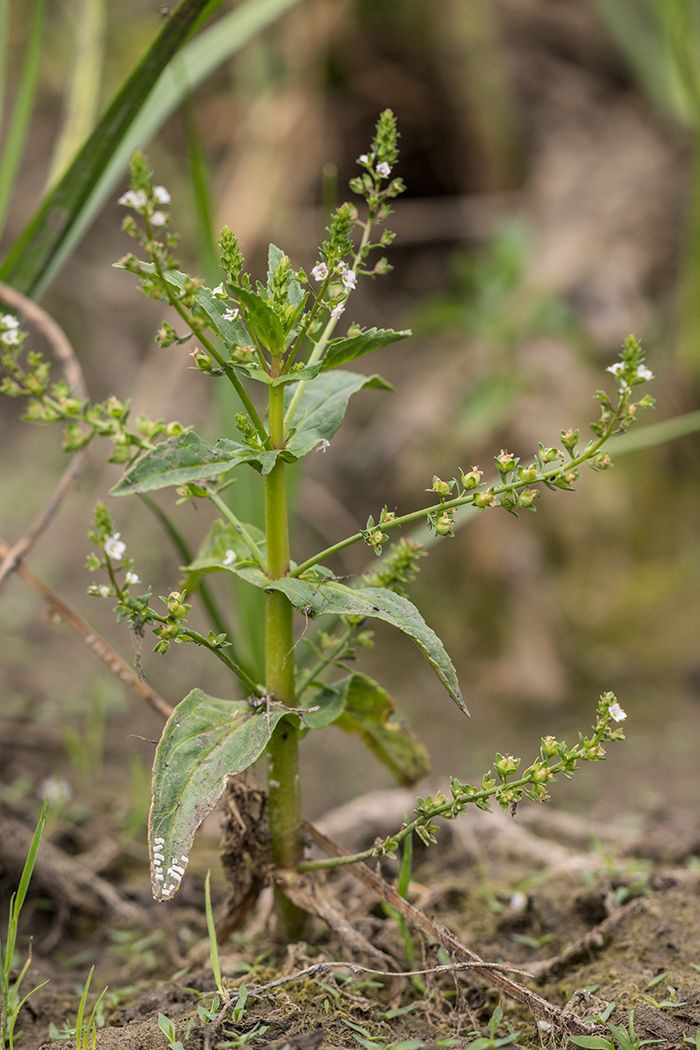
[{"x": 283, "y": 750}]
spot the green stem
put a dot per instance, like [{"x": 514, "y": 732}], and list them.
[
  {"x": 460, "y": 501},
  {"x": 284, "y": 785},
  {"x": 252, "y": 688}
]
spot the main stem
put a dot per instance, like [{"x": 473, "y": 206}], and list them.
[{"x": 283, "y": 750}]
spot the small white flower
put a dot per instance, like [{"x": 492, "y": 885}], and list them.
[
  {"x": 645, "y": 373},
  {"x": 384, "y": 170},
  {"x": 8, "y": 321},
  {"x": 161, "y": 195},
  {"x": 114, "y": 547},
  {"x": 103, "y": 591},
  {"x": 322, "y": 446},
  {"x": 229, "y": 557},
  {"x": 133, "y": 199},
  {"x": 319, "y": 272},
  {"x": 131, "y": 577},
  {"x": 231, "y": 314},
  {"x": 363, "y": 159},
  {"x": 337, "y": 310},
  {"x": 158, "y": 218},
  {"x": 616, "y": 368},
  {"x": 10, "y": 338},
  {"x": 349, "y": 279},
  {"x": 617, "y": 713},
  {"x": 219, "y": 291}
]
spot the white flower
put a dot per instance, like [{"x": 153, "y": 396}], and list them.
[
  {"x": 219, "y": 290},
  {"x": 349, "y": 279},
  {"x": 133, "y": 199},
  {"x": 8, "y": 321},
  {"x": 161, "y": 195},
  {"x": 363, "y": 159},
  {"x": 616, "y": 368},
  {"x": 644, "y": 373},
  {"x": 10, "y": 338},
  {"x": 114, "y": 547},
  {"x": 158, "y": 218},
  {"x": 616, "y": 712},
  {"x": 131, "y": 577},
  {"x": 319, "y": 272},
  {"x": 229, "y": 557},
  {"x": 384, "y": 170},
  {"x": 337, "y": 310},
  {"x": 231, "y": 314},
  {"x": 103, "y": 591}
]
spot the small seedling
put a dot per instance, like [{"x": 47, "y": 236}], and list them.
[
  {"x": 11, "y": 1001},
  {"x": 492, "y": 1040}
]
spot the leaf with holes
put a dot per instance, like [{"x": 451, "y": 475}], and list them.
[{"x": 205, "y": 742}]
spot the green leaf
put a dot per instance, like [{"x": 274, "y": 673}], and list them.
[
  {"x": 221, "y": 538},
  {"x": 322, "y": 407},
  {"x": 341, "y": 351},
  {"x": 205, "y": 742},
  {"x": 593, "y": 1042},
  {"x": 262, "y": 320},
  {"x": 316, "y": 595},
  {"x": 232, "y": 333},
  {"x": 140, "y": 108},
  {"x": 330, "y": 700},
  {"x": 368, "y": 709},
  {"x": 175, "y": 462},
  {"x": 187, "y": 457}
]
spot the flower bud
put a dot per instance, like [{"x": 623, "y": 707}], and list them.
[
  {"x": 528, "y": 473},
  {"x": 472, "y": 479},
  {"x": 505, "y": 462},
  {"x": 442, "y": 488},
  {"x": 569, "y": 438},
  {"x": 506, "y": 765},
  {"x": 444, "y": 523},
  {"x": 484, "y": 499}
]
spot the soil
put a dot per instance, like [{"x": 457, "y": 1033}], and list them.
[{"x": 602, "y": 918}]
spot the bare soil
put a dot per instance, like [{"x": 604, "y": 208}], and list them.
[{"x": 573, "y": 912}]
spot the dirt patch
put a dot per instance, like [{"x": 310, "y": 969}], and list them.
[{"x": 570, "y": 924}]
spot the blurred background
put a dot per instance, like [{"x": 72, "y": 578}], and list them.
[{"x": 549, "y": 149}]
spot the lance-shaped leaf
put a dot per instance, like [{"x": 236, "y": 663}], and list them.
[
  {"x": 186, "y": 458},
  {"x": 262, "y": 320},
  {"x": 316, "y": 594},
  {"x": 205, "y": 742},
  {"x": 323, "y": 406},
  {"x": 221, "y": 549},
  {"x": 361, "y": 705},
  {"x": 341, "y": 351}
]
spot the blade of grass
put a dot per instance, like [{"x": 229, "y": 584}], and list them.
[
  {"x": 213, "y": 946},
  {"x": 138, "y": 111},
  {"x": 83, "y": 93},
  {"x": 13, "y": 147},
  {"x": 4, "y": 26}
]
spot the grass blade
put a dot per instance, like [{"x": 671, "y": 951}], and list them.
[
  {"x": 150, "y": 95},
  {"x": 13, "y": 146},
  {"x": 83, "y": 92}
]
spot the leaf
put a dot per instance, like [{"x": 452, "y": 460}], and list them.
[
  {"x": 205, "y": 742},
  {"x": 262, "y": 320},
  {"x": 341, "y": 351},
  {"x": 321, "y": 595},
  {"x": 368, "y": 710},
  {"x": 232, "y": 333},
  {"x": 175, "y": 461},
  {"x": 323, "y": 405},
  {"x": 141, "y": 106},
  {"x": 221, "y": 538},
  {"x": 185, "y": 458}
]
